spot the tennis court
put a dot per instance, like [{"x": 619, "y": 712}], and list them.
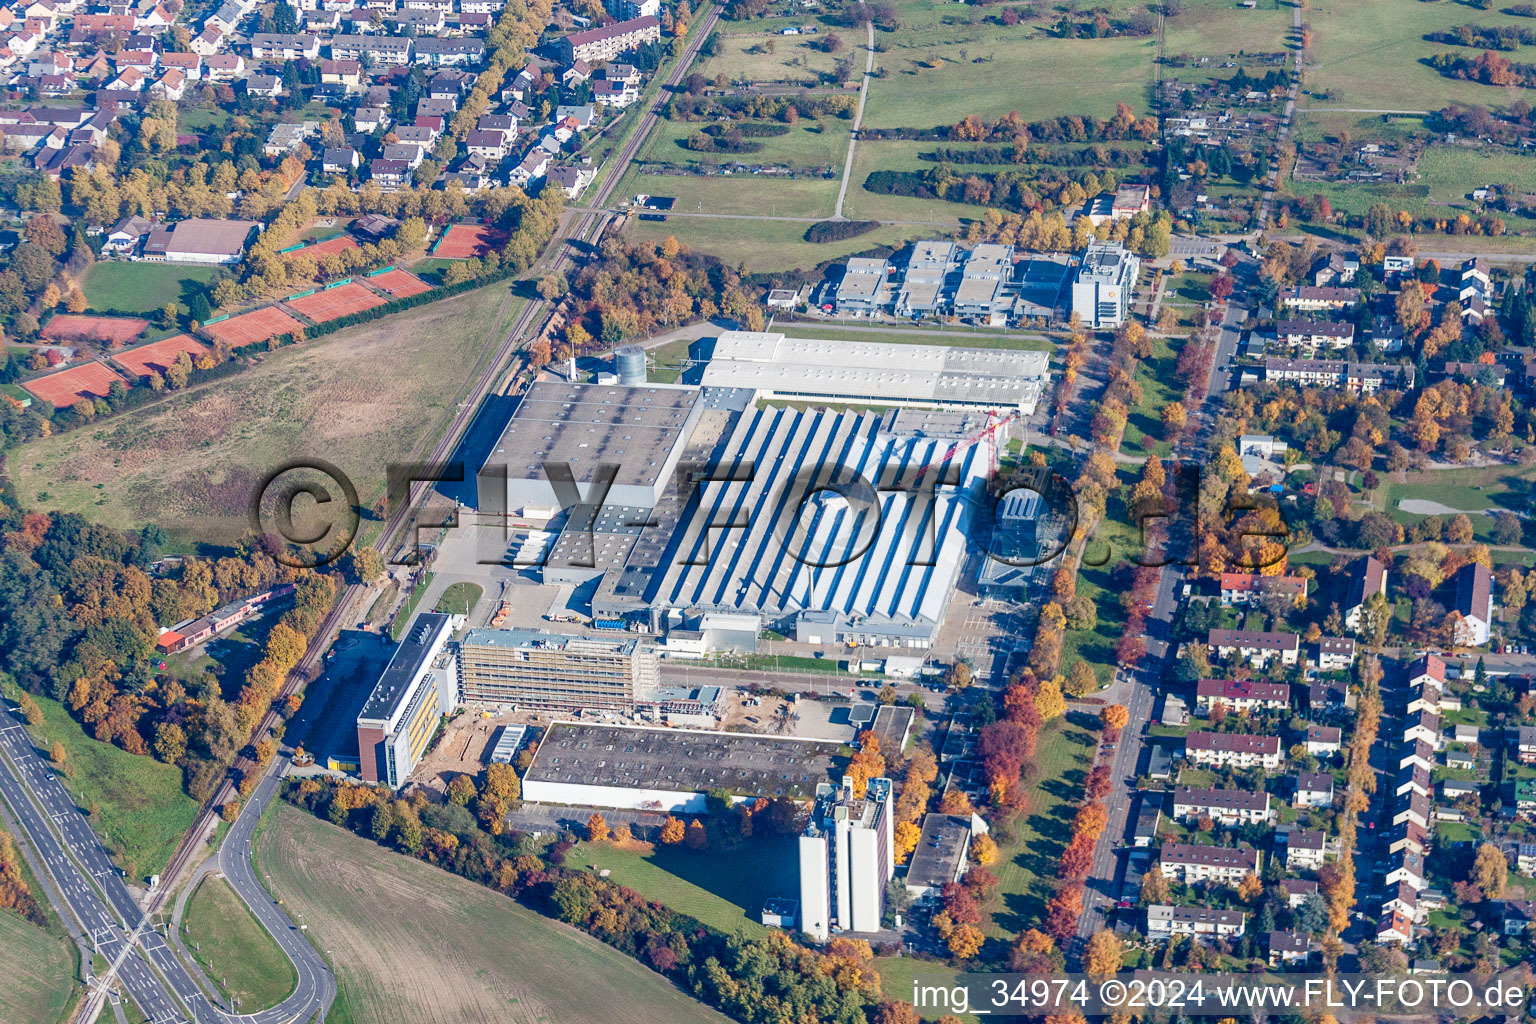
[
  {"x": 159, "y": 356},
  {"x": 109, "y": 330},
  {"x": 257, "y": 325},
  {"x": 331, "y": 303},
  {"x": 399, "y": 283},
  {"x": 67, "y": 387},
  {"x": 468, "y": 241},
  {"x": 339, "y": 244}
]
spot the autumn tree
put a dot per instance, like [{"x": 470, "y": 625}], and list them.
[
  {"x": 1490, "y": 870},
  {"x": 56, "y": 754},
  {"x": 1114, "y": 718},
  {"x": 673, "y": 831},
  {"x": 597, "y": 828},
  {"x": 1105, "y": 953},
  {"x": 984, "y": 849},
  {"x": 965, "y": 941}
]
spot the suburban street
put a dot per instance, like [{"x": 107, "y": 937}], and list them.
[{"x": 95, "y": 896}]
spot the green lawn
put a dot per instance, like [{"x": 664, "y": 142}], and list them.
[
  {"x": 403, "y": 615},
  {"x": 141, "y": 287},
  {"x": 40, "y": 972},
  {"x": 807, "y": 143},
  {"x": 764, "y": 246},
  {"x": 138, "y": 808},
  {"x": 1159, "y": 387},
  {"x": 1112, "y": 542},
  {"x": 1367, "y": 54},
  {"x": 754, "y": 194},
  {"x": 940, "y": 67},
  {"x": 410, "y": 942},
  {"x": 459, "y": 598},
  {"x": 1026, "y": 869},
  {"x": 723, "y": 889},
  {"x": 235, "y": 951}
]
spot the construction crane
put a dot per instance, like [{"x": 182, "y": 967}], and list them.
[{"x": 986, "y": 433}]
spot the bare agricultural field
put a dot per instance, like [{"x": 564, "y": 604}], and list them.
[
  {"x": 359, "y": 398},
  {"x": 410, "y": 942},
  {"x": 1221, "y": 27},
  {"x": 764, "y": 54}
]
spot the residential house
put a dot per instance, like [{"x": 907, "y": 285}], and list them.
[
  {"x": 1417, "y": 752},
  {"x": 1474, "y": 603},
  {"x": 1335, "y": 653},
  {"x": 1412, "y": 779},
  {"x": 491, "y": 146},
  {"x": 1254, "y": 646},
  {"x": 1297, "y": 890},
  {"x": 1313, "y": 789},
  {"x": 1362, "y": 378},
  {"x": 171, "y": 86},
  {"x": 616, "y": 95},
  {"x": 1245, "y": 588},
  {"x": 339, "y": 160},
  {"x": 1315, "y": 299},
  {"x": 1241, "y": 695},
  {"x": 1288, "y": 949},
  {"x": 346, "y": 73},
  {"x": 1304, "y": 849},
  {"x": 1407, "y": 836},
  {"x": 269, "y": 86},
  {"x": 125, "y": 236},
  {"x": 1189, "y": 864},
  {"x": 1403, "y": 899},
  {"x": 439, "y": 53},
  {"x": 1235, "y": 749},
  {"x": 285, "y": 46},
  {"x": 531, "y": 168},
  {"x": 1199, "y": 922},
  {"x": 608, "y": 41},
  {"x": 1423, "y": 726},
  {"x": 224, "y": 67},
  {"x": 1519, "y": 917},
  {"x": 1523, "y": 739},
  {"x": 1225, "y": 806},
  {"x": 1367, "y": 578},
  {"x": 573, "y": 180},
  {"x": 389, "y": 173},
  {"x": 1336, "y": 268},
  {"x": 1415, "y": 808},
  {"x": 1323, "y": 740},
  {"x": 1395, "y": 930},
  {"x": 1309, "y": 336},
  {"x": 1405, "y": 866}
]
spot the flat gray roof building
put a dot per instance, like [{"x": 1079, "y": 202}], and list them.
[
  {"x": 639, "y": 431},
  {"x": 941, "y": 854}
]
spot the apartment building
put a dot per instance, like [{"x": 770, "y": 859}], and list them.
[
  {"x": 1222, "y": 749},
  {"x": 1256, "y": 647},
  {"x": 1226, "y": 806},
  {"x": 1241, "y": 695},
  {"x": 1187, "y": 863}
]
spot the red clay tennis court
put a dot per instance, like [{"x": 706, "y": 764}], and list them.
[
  {"x": 399, "y": 283},
  {"x": 67, "y": 387},
  {"x": 115, "y": 330},
  {"x": 335, "y": 302},
  {"x": 159, "y": 356},
  {"x": 468, "y": 241},
  {"x": 249, "y": 328},
  {"x": 339, "y": 244}
]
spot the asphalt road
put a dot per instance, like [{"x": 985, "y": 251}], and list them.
[{"x": 95, "y": 896}]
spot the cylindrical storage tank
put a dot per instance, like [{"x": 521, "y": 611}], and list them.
[{"x": 629, "y": 364}]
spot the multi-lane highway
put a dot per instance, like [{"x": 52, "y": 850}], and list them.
[{"x": 95, "y": 897}]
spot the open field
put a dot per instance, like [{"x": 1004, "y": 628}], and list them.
[
  {"x": 725, "y": 890},
  {"x": 110, "y": 330},
  {"x": 745, "y": 51},
  {"x": 135, "y": 803},
  {"x": 142, "y": 287},
  {"x": 861, "y": 204},
  {"x": 808, "y": 143},
  {"x": 972, "y": 56},
  {"x": 1159, "y": 387},
  {"x": 40, "y": 984},
  {"x": 88, "y": 381},
  {"x": 1366, "y": 54},
  {"x": 1112, "y": 542},
  {"x": 236, "y": 952},
  {"x": 1220, "y": 27},
  {"x": 412, "y": 943},
  {"x": 765, "y": 245},
  {"x": 190, "y": 461},
  {"x": 1446, "y": 177},
  {"x": 750, "y": 194}
]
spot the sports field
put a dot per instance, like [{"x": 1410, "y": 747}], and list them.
[
  {"x": 468, "y": 241},
  {"x": 257, "y": 325},
  {"x": 190, "y": 460},
  {"x": 142, "y": 287},
  {"x": 106, "y": 330},
  {"x": 330, "y": 303},
  {"x": 90, "y": 381},
  {"x": 159, "y": 356},
  {"x": 40, "y": 972},
  {"x": 234, "y": 950},
  {"x": 412, "y": 943},
  {"x": 399, "y": 283},
  {"x": 331, "y": 246}
]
